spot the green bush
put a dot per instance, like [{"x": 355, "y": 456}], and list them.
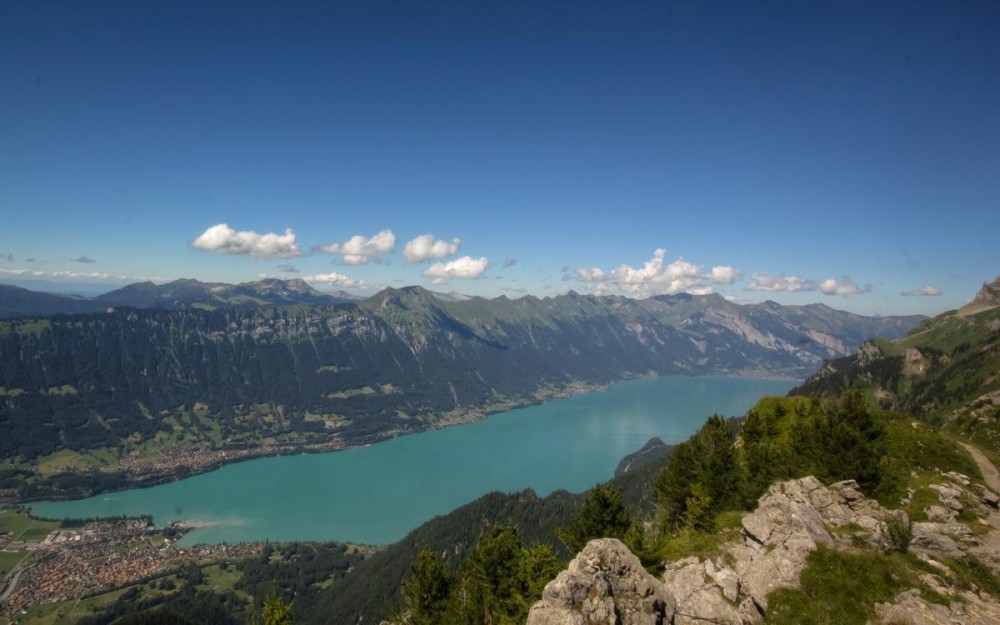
[{"x": 897, "y": 531}]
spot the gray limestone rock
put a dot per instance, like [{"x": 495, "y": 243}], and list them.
[
  {"x": 605, "y": 583},
  {"x": 909, "y": 608},
  {"x": 986, "y": 496},
  {"x": 949, "y": 496},
  {"x": 699, "y": 597},
  {"x": 937, "y": 514},
  {"x": 934, "y": 539}
]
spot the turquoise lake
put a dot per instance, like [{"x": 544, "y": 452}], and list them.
[{"x": 377, "y": 494}]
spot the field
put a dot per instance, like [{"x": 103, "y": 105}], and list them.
[{"x": 23, "y": 527}]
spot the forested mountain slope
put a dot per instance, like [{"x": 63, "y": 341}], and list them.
[{"x": 399, "y": 361}]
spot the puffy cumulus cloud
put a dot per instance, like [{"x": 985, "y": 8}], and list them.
[
  {"x": 655, "y": 277},
  {"x": 844, "y": 287},
  {"x": 724, "y": 274},
  {"x": 924, "y": 291},
  {"x": 425, "y": 247},
  {"x": 83, "y": 259},
  {"x": 465, "y": 267},
  {"x": 336, "y": 279},
  {"x": 359, "y": 250},
  {"x": 763, "y": 282},
  {"x": 223, "y": 239}
]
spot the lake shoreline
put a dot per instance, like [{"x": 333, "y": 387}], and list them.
[
  {"x": 363, "y": 496},
  {"x": 147, "y": 475},
  {"x": 180, "y": 464}
]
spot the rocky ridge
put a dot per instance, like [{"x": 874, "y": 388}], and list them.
[{"x": 606, "y": 584}]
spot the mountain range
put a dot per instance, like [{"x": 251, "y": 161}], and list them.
[
  {"x": 179, "y": 294},
  {"x": 203, "y": 365}
]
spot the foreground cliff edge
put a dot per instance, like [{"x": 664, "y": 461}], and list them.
[{"x": 793, "y": 523}]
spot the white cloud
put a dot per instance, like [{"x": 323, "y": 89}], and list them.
[
  {"x": 359, "y": 250},
  {"x": 843, "y": 287},
  {"x": 656, "y": 278},
  {"x": 425, "y": 247},
  {"x": 464, "y": 267},
  {"x": 724, "y": 274},
  {"x": 221, "y": 238},
  {"x": 336, "y": 279},
  {"x": 762, "y": 282},
  {"x": 80, "y": 275},
  {"x": 925, "y": 291}
]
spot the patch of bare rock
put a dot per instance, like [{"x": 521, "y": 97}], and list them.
[{"x": 606, "y": 583}]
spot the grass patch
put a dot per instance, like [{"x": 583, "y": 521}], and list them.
[
  {"x": 970, "y": 573},
  {"x": 840, "y": 588},
  {"x": 218, "y": 579},
  {"x": 688, "y": 542},
  {"x": 69, "y": 612},
  {"x": 9, "y": 560},
  {"x": 67, "y": 460},
  {"x": 351, "y": 392},
  {"x": 912, "y": 446},
  {"x": 23, "y": 527}
]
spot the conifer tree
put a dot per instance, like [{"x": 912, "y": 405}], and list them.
[
  {"x": 425, "y": 591},
  {"x": 603, "y": 515}
]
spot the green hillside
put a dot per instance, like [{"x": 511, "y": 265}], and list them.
[{"x": 946, "y": 371}]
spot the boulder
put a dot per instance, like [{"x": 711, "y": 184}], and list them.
[
  {"x": 986, "y": 496},
  {"x": 695, "y": 586},
  {"x": 937, "y": 514},
  {"x": 605, "y": 583},
  {"x": 938, "y": 539},
  {"x": 949, "y": 496}
]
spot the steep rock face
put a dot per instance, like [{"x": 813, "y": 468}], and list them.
[
  {"x": 987, "y": 297},
  {"x": 605, "y": 583}
]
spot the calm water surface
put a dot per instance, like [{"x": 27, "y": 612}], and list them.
[{"x": 377, "y": 494}]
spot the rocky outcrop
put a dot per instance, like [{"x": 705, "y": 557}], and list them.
[
  {"x": 964, "y": 608},
  {"x": 707, "y": 591},
  {"x": 605, "y": 583}
]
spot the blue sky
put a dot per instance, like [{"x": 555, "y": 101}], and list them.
[{"x": 797, "y": 151}]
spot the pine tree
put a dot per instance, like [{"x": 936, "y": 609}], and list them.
[
  {"x": 425, "y": 591},
  {"x": 603, "y": 515}
]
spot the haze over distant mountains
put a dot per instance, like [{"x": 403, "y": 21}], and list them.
[{"x": 184, "y": 293}]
